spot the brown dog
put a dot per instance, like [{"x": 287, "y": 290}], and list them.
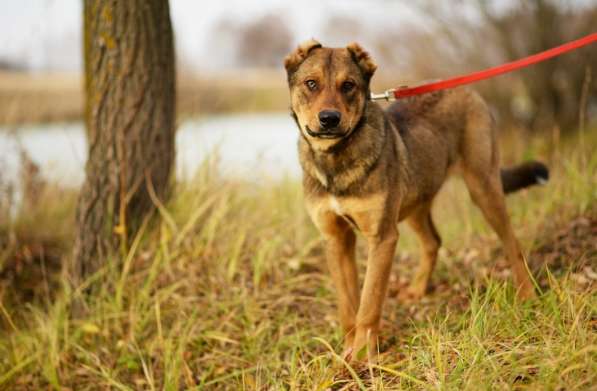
[{"x": 368, "y": 169}]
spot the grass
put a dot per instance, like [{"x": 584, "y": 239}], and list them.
[{"x": 228, "y": 289}]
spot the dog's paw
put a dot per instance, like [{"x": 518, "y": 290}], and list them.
[
  {"x": 347, "y": 354},
  {"x": 526, "y": 292},
  {"x": 364, "y": 347},
  {"x": 412, "y": 294}
]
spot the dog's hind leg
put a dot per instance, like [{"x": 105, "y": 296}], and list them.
[
  {"x": 429, "y": 242},
  {"x": 486, "y": 192},
  {"x": 481, "y": 172}
]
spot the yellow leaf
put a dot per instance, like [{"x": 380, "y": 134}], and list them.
[{"x": 90, "y": 328}]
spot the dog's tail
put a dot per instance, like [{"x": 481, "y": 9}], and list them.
[{"x": 524, "y": 175}]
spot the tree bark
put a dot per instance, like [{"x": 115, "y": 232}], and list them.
[{"x": 130, "y": 120}]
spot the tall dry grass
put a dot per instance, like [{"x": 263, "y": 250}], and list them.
[{"x": 228, "y": 289}]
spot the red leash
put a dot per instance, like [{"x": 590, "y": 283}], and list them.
[{"x": 403, "y": 92}]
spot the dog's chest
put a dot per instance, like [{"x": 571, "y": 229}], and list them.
[
  {"x": 363, "y": 213},
  {"x": 335, "y": 206}
]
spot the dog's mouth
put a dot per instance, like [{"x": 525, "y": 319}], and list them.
[{"x": 326, "y": 134}]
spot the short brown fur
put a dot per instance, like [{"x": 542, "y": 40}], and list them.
[{"x": 377, "y": 168}]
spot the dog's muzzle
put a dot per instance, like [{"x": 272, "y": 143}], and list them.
[{"x": 326, "y": 134}]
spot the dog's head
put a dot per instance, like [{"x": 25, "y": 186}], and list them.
[{"x": 329, "y": 88}]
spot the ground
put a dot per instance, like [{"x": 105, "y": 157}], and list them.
[{"x": 227, "y": 289}]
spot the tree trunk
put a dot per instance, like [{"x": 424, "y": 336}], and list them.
[{"x": 130, "y": 119}]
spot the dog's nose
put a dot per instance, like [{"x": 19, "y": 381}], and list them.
[{"x": 329, "y": 118}]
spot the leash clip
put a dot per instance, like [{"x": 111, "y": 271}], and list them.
[{"x": 387, "y": 95}]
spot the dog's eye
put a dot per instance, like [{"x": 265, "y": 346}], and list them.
[
  {"x": 347, "y": 86},
  {"x": 311, "y": 84}
]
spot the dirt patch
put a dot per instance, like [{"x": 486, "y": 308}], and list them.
[
  {"x": 569, "y": 247},
  {"x": 566, "y": 245}
]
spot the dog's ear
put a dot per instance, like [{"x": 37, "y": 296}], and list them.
[
  {"x": 294, "y": 59},
  {"x": 363, "y": 60}
]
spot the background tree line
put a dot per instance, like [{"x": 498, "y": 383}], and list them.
[{"x": 458, "y": 37}]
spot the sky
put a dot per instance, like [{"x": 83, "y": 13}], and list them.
[{"x": 46, "y": 34}]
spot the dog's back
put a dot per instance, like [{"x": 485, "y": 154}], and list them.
[
  {"x": 449, "y": 117},
  {"x": 453, "y": 127}
]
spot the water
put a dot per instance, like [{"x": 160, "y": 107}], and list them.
[{"x": 247, "y": 145}]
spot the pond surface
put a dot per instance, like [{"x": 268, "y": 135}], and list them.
[{"x": 247, "y": 145}]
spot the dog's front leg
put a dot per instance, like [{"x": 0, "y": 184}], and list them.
[
  {"x": 379, "y": 264},
  {"x": 340, "y": 256}
]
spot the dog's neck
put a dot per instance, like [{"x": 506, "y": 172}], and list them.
[{"x": 348, "y": 162}]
